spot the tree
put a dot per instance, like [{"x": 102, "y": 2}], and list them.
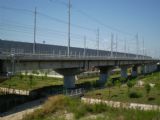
[
  {"x": 45, "y": 74},
  {"x": 129, "y": 85},
  {"x": 31, "y": 80},
  {"x": 122, "y": 80},
  {"x": 20, "y": 76},
  {"x": 118, "y": 83},
  {"x": 26, "y": 74},
  {"x": 147, "y": 88},
  {"x": 37, "y": 73},
  {"x": 41, "y": 73},
  {"x": 109, "y": 85}
]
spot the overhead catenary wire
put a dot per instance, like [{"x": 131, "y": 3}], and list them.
[
  {"x": 61, "y": 21},
  {"x": 50, "y": 17},
  {"x": 94, "y": 19}
]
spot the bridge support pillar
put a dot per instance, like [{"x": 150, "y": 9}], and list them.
[
  {"x": 150, "y": 68},
  {"x": 124, "y": 71},
  {"x": 69, "y": 81},
  {"x": 158, "y": 66},
  {"x": 145, "y": 69},
  {"x": 1, "y": 67},
  {"x": 134, "y": 71},
  {"x": 104, "y": 74},
  {"x": 154, "y": 67},
  {"x": 69, "y": 76}
]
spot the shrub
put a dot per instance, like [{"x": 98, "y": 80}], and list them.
[
  {"x": 118, "y": 83},
  {"x": 80, "y": 112},
  {"x": 52, "y": 105},
  {"x": 109, "y": 85},
  {"x": 135, "y": 95},
  {"x": 151, "y": 98},
  {"x": 31, "y": 80},
  {"x": 122, "y": 80},
  {"x": 20, "y": 76},
  {"x": 148, "y": 89},
  {"x": 130, "y": 85},
  {"x": 99, "y": 108}
]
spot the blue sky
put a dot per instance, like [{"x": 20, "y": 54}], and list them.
[{"x": 124, "y": 18}]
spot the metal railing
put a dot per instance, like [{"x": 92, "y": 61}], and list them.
[{"x": 77, "y": 55}]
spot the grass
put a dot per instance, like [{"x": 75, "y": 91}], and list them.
[
  {"x": 121, "y": 93},
  {"x": 25, "y": 83},
  {"x": 61, "y": 108},
  {"x": 38, "y": 82}
]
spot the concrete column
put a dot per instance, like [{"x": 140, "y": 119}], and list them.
[
  {"x": 150, "y": 68},
  {"x": 69, "y": 81},
  {"x": 158, "y": 66},
  {"x": 145, "y": 69},
  {"x": 104, "y": 74},
  {"x": 69, "y": 76},
  {"x": 154, "y": 67},
  {"x": 124, "y": 72},
  {"x": 142, "y": 69},
  {"x": 1, "y": 67},
  {"x": 134, "y": 71}
]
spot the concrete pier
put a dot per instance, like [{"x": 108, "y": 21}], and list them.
[
  {"x": 104, "y": 74},
  {"x": 124, "y": 71},
  {"x": 149, "y": 68},
  {"x": 134, "y": 71},
  {"x": 69, "y": 76}
]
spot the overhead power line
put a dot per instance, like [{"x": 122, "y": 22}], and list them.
[
  {"x": 16, "y": 9},
  {"x": 95, "y": 19},
  {"x": 49, "y": 17}
]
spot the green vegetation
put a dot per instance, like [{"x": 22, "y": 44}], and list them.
[
  {"x": 135, "y": 94},
  {"x": 109, "y": 85},
  {"x": 131, "y": 91},
  {"x": 148, "y": 88},
  {"x": 29, "y": 82},
  {"x": 61, "y": 108},
  {"x": 130, "y": 84}
]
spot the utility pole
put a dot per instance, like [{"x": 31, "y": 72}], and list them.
[
  {"x": 116, "y": 45},
  {"x": 98, "y": 42},
  {"x": 35, "y": 30},
  {"x": 69, "y": 27},
  {"x": 84, "y": 46},
  {"x": 125, "y": 48},
  {"x": 112, "y": 37},
  {"x": 143, "y": 49},
  {"x": 137, "y": 45},
  {"x": 128, "y": 50}
]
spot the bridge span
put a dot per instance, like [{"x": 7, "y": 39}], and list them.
[{"x": 69, "y": 66}]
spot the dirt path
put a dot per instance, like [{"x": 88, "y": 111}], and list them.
[
  {"x": 123, "y": 105},
  {"x": 18, "y": 112}
]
